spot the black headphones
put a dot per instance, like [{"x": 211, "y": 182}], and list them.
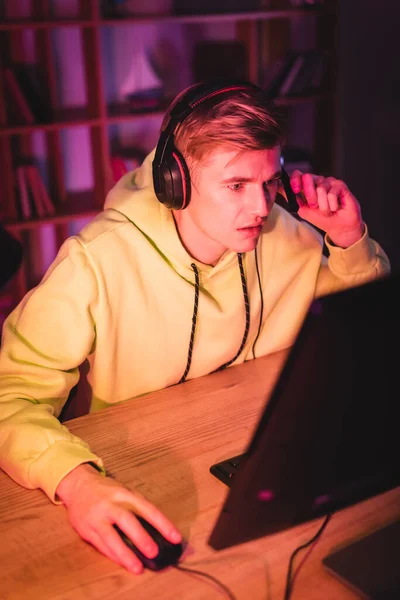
[{"x": 171, "y": 177}]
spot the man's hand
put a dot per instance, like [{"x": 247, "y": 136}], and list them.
[
  {"x": 95, "y": 503},
  {"x": 328, "y": 204}
]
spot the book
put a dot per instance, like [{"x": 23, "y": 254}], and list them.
[
  {"x": 277, "y": 73},
  {"x": 271, "y": 73},
  {"x": 35, "y": 191},
  {"x": 33, "y": 89},
  {"x": 23, "y": 196},
  {"x": 41, "y": 190},
  {"x": 311, "y": 76},
  {"x": 300, "y": 84},
  {"x": 17, "y": 95},
  {"x": 291, "y": 75},
  {"x": 320, "y": 71}
]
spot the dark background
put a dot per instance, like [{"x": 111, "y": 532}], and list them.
[{"x": 368, "y": 134}]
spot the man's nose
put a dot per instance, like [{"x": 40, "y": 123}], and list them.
[{"x": 261, "y": 202}]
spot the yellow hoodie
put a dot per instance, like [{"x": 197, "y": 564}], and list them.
[{"x": 122, "y": 294}]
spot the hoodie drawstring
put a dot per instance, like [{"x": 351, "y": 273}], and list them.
[
  {"x": 194, "y": 319},
  {"x": 247, "y": 309}
]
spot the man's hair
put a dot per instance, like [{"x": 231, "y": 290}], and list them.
[{"x": 244, "y": 120}]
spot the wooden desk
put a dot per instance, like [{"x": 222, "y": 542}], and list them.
[{"x": 163, "y": 444}]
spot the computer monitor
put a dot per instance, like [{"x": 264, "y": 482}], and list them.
[{"x": 329, "y": 434}]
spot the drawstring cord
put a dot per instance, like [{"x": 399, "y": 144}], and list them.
[
  {"x": 247, "y": 310},
  {"x": 262, "y": 303},
  {"x": 194, "y": 319}
]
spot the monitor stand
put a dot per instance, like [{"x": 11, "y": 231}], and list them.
[{"x": 371, "y": 565}]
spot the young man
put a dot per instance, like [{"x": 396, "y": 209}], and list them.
[{"x": 158, "y": 289}]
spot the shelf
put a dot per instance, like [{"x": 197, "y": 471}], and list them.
[
  {"x": 68, "y": 117},
  {"x": 16, "y": 25},
  {"x": 123, "y": 112},
  {"x": 117, "y": 113},
  {"x": 80, "y": 205},
  {"x": 288, "y": 13},
  {"x": 78, "y": 117},
  {"x": 291, "y": 100},
  {"x": 209, "y": 18},
  {"x": 266, "y": 34}
]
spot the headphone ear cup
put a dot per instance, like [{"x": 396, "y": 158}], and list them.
[
  {"x": 171, "y": 178},
  {"x": 181, "y": 181}
]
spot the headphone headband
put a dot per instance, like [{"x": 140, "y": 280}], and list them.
[{"x": 196, "y": 95}]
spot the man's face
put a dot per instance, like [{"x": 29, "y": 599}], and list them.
[{"x": 232, "y": 195}]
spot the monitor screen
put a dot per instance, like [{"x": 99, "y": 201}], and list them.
[{"x": 328, "y": 436}]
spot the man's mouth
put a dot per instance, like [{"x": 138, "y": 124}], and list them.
[
  {"x": 251, "y": 230},
  {"x": 253, "y": 226}
]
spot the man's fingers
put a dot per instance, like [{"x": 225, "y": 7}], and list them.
[
  {"x": 305, "y": 184},
  {"x": 317, "y": 191},
  {"x": 309, "y": 190},
  {"x": 129, "y": 524},
  {"x": 323, "y": 203},
  {"x": 111, "y": 545},
  {"x": 156, "y": 518},
  {"x": 106, "y": 503},
  {"x": 333, "y": 202},
  {"x": 134, "y": 503},
  {"x": 334, "y": 189}
]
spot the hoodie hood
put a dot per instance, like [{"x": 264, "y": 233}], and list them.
[{"x": 134, "y": 196}]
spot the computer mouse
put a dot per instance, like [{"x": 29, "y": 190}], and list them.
[{"x": 168, "y": 553}]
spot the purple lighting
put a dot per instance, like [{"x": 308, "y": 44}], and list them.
[
  {"x": 266, "y": 495},
  {"x": 323, "y": 499}
]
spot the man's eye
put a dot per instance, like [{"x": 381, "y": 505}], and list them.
[{"x": 235, "y": 187}]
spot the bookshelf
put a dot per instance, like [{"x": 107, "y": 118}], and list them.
[{"x": 31, "y": 38}]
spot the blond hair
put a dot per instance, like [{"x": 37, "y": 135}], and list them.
[{"x": 244, "y": 120}]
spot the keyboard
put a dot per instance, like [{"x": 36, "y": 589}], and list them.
[{"x": 225, "y": 470}]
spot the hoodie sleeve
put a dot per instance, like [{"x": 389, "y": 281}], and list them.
[
  {"x": 45, "y": 339},
  {"x": 346, "y": 267}
]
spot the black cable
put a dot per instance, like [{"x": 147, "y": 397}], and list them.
[
  {"x": 202, "y": 574},
  {"x": 262, "y": 302},
  {"x": 288, "y": 589}
]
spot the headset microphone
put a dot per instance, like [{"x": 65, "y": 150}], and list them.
[{"x": 171, "y": 177}]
